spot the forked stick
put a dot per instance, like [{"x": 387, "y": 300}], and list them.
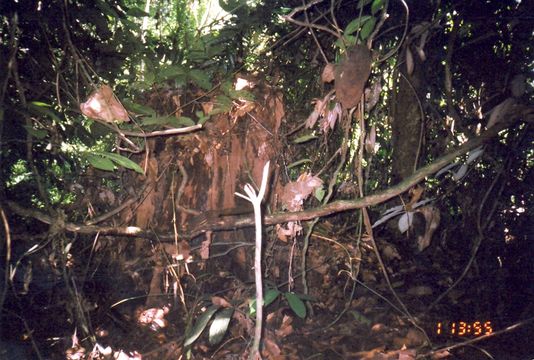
[{"x": 256, "y": 199}]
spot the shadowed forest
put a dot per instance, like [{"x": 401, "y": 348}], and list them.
[{"x": 243, "y": 179}]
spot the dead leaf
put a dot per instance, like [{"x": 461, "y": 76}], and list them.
[
  {"x": 104, "y": 105},
  {"x": 415, "y": 194},
  {"x": 294, "y": 193},
  {"x": 432, "y": 220},
  {"x": 217, "y": 300},
  {"x": 370, "y": 140},
  {"x": 328, "y": 74},
  {"x": 420, "y": 291}
]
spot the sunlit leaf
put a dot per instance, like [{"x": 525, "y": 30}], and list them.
[
  {"x": 200, "y": 325},
  {"x": 296, "y": 304},
  {"x": 219, "y": 326},
  {"x": 101, "y": 163},
  {"x": 122, "y": 161}
]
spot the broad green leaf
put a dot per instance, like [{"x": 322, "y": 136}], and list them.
[
  {"x": 183, "y": 120},
  {"x": 123, "y": 161},
  {"x": 296, "y": 304},
  {"x": 299, "y": 162},
  {"x": 367, "y": 28},
  {"x": 101, "y": 163},
  {"x": 106, "y": 9},
  {"x": 305, "y": 138},
  {"x": 270, "y": 296},
  {"x": 319, "y": 193},
  {"x": 200, "y": 325},
  {"x": 136, "y": 12},
  {"x": 355, "y": 24},
  {"x": 219, "y": 326},
  {"x": 157, "y": 120},
  {"x": 36, "y": 133},
  {"x": 201, "y": 79},
  {"x": 138, "y": 108},
  {"x": 377, "y": 6}
]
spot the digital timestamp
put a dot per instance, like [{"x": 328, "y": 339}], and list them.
[{"x": 464, "y": 328}]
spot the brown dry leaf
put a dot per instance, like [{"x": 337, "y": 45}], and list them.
[
  {"x": 291, "y": 230},
  {"x": 270, "y": 347},
  {"x": 420, "y": 291},
  {"x": 243, "y": 108},
  {"x": 205, "y": 247},
  {"x": 407, "y": 354},
  {"x": 432, "y": 220},
  {"x": 328, "y": 74},
  {"x": 329, "y": 121},
  {"x": 415, "y": 194},
  {"x": 217, "y": 300},
  {"x": 207, "y": 107},
  {"x": 370, "y": 140},
  {"x": 443, "y": 354},
  {"x": 390, "y": 252},
  {"x": 286, "y": 328},
  {"x": 294, "y": 193},
  {"x": 177, "y": 103},
  {"x": 102, "y": 104}
]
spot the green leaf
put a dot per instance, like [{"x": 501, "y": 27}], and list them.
[
  {"x": 268, "y": 298},
  {"x": 201, "y": 79},
  {"x": 183, "y": 120},
  {"x": 377, "y": 6},
  {"x": 367, "y": 28},
  {"x": 138, "y": 108},
  {"x": 305, "y": 138},
  {"x": 219, "y": 326},
  {"x": 200, "y": 325},
  {"x": 121, "y": 160},
  {"x": 36, "y": 133},
  {"x": 296, "y": 304},
  {"x": 319, "y": 193},
  {"x": 299, "y": 162},
  {"x": 136, "y": 12},
  {"x": 101, "y": 163},
  {"x": 355, "y": 24},
  {"x": 158, "y": 120}
]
